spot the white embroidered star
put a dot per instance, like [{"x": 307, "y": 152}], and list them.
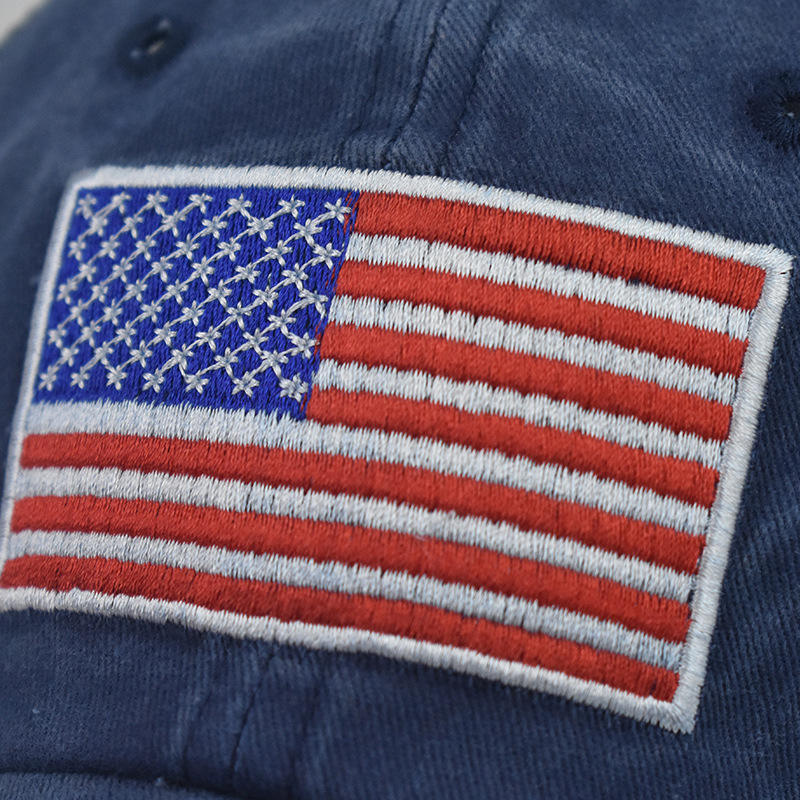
[
  {"x": 338, "y": 210},
  {"x": 202, "y": 269},
  {"x": 181, "y": 357},
  {"x": 119, "y": 269},
  {"x": 76, "y": 248},
  {"x": 65, "y": 290},
  {"x": 112, "y": 312},
  {"x": 291, "y": 206},
  {"x": 282, "y": 320},
  {"x": 315, "y": 299},
  {"x": 213, "y": 226},
  {"x": 97, "y": 225},
  {"x": 151, "y": 310},
  {"x": 68, "y": 354},
  {"x": 278, "y": 252},
  {"x": 308, "y": 230},
  {"x": 153, "y": 381},
  {"x": 255, "y": 338},
  {"x": 187, "y": 247},
  {"x": 161, "y": 268},
  {"x": 195, "y": 382},
  {"x": 99, "y": 292},
  {"x": 303, "y": 345},
  {"x": 79, "y": 378},
  {"x": 294, "y": 387},
  {"x": 48, "y": 378},
  {"x": 296, "y": 274},
  {"x": 116, "y": 375},
  {"x": 238, "y": 204},
  {"x": 208, "y": 337},
  {"x": 219, "y": 292},
  {"x": 108, "y": 248},
  {"x": 325, "y": 254},
  {"x": 102, "y": 351},
  {"x": 89, "y": 330},
  {"x": 118, "y": 201},
  {"x": 171, "y": 223},
  {"x": 85, "y": 206},
  {"x": 266, "y": 296},
  {"x": 175, "y": 291},
  {"x": 191, "y": 313},
  {"x": 224, "y": 360},
  {"x": 141, "y": 353},
  {"x": 259, "y": 227},
  {"x": 229, "y": 249},
  {"x": 248, "y": 273},
  {"x": 272, "y": 360},
  {"x": 245, "y": 384},
  {"x": 136, "y": 290},
  {"x": 164, "y": 334},
  {"x": 143, "y": 248},
  {"x": 129, "y": 225},
  {"x": 86, "y": 271},
  {"x": 155, "y": 201},
  {"x": 199, "y": 201},
  {"x": 238, "y": 314}
]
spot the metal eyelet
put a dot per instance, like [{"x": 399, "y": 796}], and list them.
[
  {"x": 775, "y": 109},
  {"x": 147, "y": 47}
]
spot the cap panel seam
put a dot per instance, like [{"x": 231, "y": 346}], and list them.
[{"x": 480, "y": 64}]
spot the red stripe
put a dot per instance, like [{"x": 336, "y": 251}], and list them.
[
  {"x": 572, "y": 244},
  {"x": 355, "y": 545},
  {"x": 339, "y": 474},
  {"x": 589, "y": 387},
  {"x": 572, "y": 315},
  {"x": 288, "y": 603},
  {"x": 686, "y": 480}
]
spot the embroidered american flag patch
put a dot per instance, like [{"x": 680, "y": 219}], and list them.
[{"x": 367, "y": 412}]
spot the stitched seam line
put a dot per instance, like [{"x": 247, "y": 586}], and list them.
[
  {"x": 357, "y": 127},
  {"x": 291, "y": 780},
  {"x": 197, "y": 712},
  {"x": 235, "y": 754},
  {"x": 387, "y": 153},
  {"x": 480, "y": 64}
]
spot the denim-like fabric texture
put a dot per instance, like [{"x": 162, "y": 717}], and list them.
[{"x": 634, "y": 106}]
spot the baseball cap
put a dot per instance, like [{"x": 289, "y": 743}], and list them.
[{"x": 405, "y": 400}]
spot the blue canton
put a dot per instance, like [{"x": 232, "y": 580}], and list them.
[{"x": 203, "y": 296}]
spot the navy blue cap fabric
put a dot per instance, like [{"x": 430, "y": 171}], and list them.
[{"x": 676, "y": 112}]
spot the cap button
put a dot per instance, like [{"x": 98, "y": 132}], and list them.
[{"x": 148, "y": 46}]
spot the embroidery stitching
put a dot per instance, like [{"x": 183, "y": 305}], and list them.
[
  {"x": 485, "y": 431},
  {"x": 162, "y": 298}
]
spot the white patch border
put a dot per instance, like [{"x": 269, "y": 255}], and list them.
[{"x": 679, "y": 715}]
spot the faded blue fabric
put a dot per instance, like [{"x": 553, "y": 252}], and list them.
[{"x": 635, "y": 106}]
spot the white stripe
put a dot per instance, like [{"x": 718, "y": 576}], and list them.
[
  {"x": 346, "y": 640},
  {"x": 403, "y": 317},
  {"x": 238, "y": 496},
  {"x": 480, "y": 398},
  {"x": 332, "y": 576},
  {"x": 685, "y": 309},
  {"x": 270, "y": 430}
]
